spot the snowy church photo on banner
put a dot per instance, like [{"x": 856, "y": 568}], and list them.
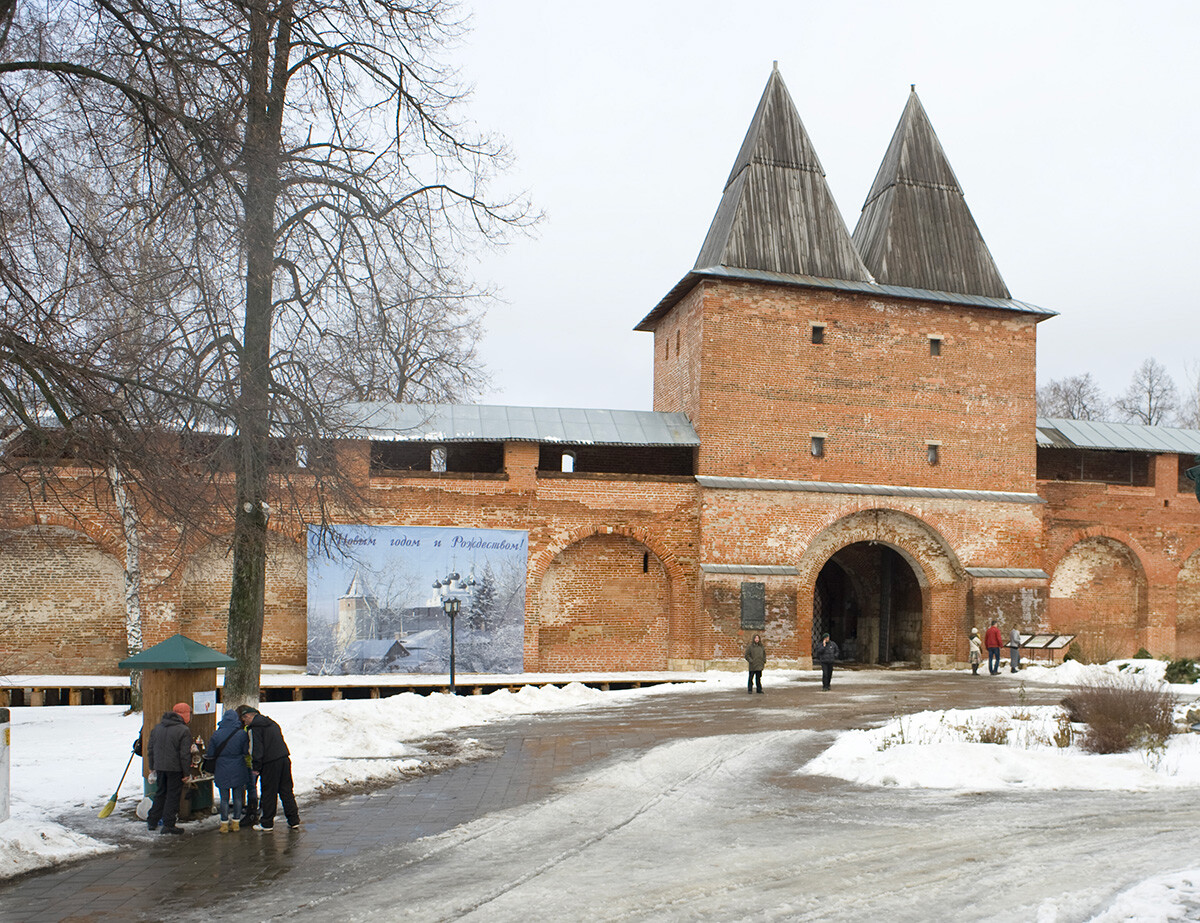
[{"x": 376, "y": 599}]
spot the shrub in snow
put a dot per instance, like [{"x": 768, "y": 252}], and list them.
[
  {"x": 1143, "y": 654},
  {"x": 1122, "y": 716},
  {"x": 1182, "y": 672}
]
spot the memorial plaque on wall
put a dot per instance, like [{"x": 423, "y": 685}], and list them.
[{"x": 754, "y": 606}]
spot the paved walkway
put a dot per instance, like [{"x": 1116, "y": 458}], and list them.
[{"x": 153, "y": 877}]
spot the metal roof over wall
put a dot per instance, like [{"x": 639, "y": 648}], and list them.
[
  {"x": 1120, "y": 437},
  {"x": 768, "y": 570},
  {"x": 1014, "y": 573},
  {"x": 497, "y": 423}
]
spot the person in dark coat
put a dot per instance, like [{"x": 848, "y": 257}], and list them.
[
  {"x": 825, "y": 653},
  {"x": 756, "y": 658},
  {"x": 232, "y": 773},
  {"x": 170, "y": 760},
  {"x": 272, "y": 763}
]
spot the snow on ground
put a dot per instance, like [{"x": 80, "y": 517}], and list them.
[
  {"x": 941, "y": 749},
  {"x": 64, "y": 759}
]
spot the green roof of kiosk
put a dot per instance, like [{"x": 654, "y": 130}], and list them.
[{"x": 176, "y": 653}]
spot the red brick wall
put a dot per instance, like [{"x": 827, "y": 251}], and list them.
[
  {"x": 872, "y": 387},
  {"x": 603, "y": 605},
  {"x": 677, "y": 356},
  {"x": 204, "y": 599},
  {"x": 1120, "y": 557},
  {"x": 62, "y": 609},
  {"x": 80, "y": 598}
]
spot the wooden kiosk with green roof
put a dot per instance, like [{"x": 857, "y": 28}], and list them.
[{"x": 171, "y": 672}]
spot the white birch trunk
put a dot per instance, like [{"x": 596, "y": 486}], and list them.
[{"x": 133, "y": 581}]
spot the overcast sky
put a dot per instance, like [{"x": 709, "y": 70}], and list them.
[{"x": 1072, "y": 128}]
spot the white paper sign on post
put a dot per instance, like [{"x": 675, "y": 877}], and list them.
[{"x": 204, "y": 703}]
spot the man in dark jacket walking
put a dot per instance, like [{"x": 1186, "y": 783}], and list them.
[
  {"x": 170, "y": 760},
  {"x": 825, "y": 653},
  {"x": 272, "y": 763},
  {"x": 756, "y": 658}
]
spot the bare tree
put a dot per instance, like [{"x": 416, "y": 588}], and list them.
[
  {"x": 404, "y": 345},
  {"x": 1189, "y": 407},
  {"x": 1151, "y": 397},
  {"x": 1077, "y": 397},
  {"x": 312, "y": 154}
]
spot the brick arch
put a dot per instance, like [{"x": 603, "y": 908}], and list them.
[
  {"x": 929, "y": 554},
  {"x": 63, "y": 610},
  {"x": 593, "y": 605},
  {"x": 540, "y": 562},
  {"x": 931, "y": 605},
  {"x": 204, "y": 584},
  {"x": 110, "y": 540},
  {"x": 1064, "y": 544},
  {"x": 1099, "y": 590}
]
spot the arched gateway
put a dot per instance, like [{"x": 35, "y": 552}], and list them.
[{"x": 880, "y": 580}]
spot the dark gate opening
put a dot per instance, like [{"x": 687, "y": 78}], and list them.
[{"x": 867, "y": 597}]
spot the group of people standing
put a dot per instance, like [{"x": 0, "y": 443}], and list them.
[
  {"x": 825, "y": 652},
  {"x": 993, "y": 640},
  {"x": 248, "y": 751}
]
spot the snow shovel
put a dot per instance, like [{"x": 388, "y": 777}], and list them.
[{"x": 112, "y": 802}]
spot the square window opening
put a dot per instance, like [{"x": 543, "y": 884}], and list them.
[{"x": 818, "y": 334}]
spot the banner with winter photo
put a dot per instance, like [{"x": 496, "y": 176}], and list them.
[{"x": 376, "y": 599}]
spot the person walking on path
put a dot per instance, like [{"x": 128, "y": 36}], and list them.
[
  {"x": 976, "y": 651},
  {"x": 230, "y": 747},
  {"x": 992, "y": 640},
  {"x": 272, "y": 763},
  {"x": 170, "y": 760},
  {"x": 1014, "y": 649},
  {"x": 756, "y": 658},
  {"x": 825, "y": 654}
]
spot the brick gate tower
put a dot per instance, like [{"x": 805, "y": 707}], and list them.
[{"x": 865, "y": 405}]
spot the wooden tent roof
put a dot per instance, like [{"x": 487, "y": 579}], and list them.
[
  {"x": 915, "y": 228},
  {"x": 777, "y": 214}
]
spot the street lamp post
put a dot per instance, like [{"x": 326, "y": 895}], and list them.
[
  {"x": 451, "y": 604},
  {"x": 448, "y": 587}
]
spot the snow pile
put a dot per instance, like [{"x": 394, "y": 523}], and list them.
[
  {"x": 364, "y": 740},
  {"x": 1156, "y": 900},
  {"x": 946, "y": 750},
  {"x": 25, "y": 846},
  {"x": 1074, "y": 673}
]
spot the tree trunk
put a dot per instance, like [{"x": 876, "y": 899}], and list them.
[
  {"x": 133, "y": 581},
  {"x": 267, "y": 89}
]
